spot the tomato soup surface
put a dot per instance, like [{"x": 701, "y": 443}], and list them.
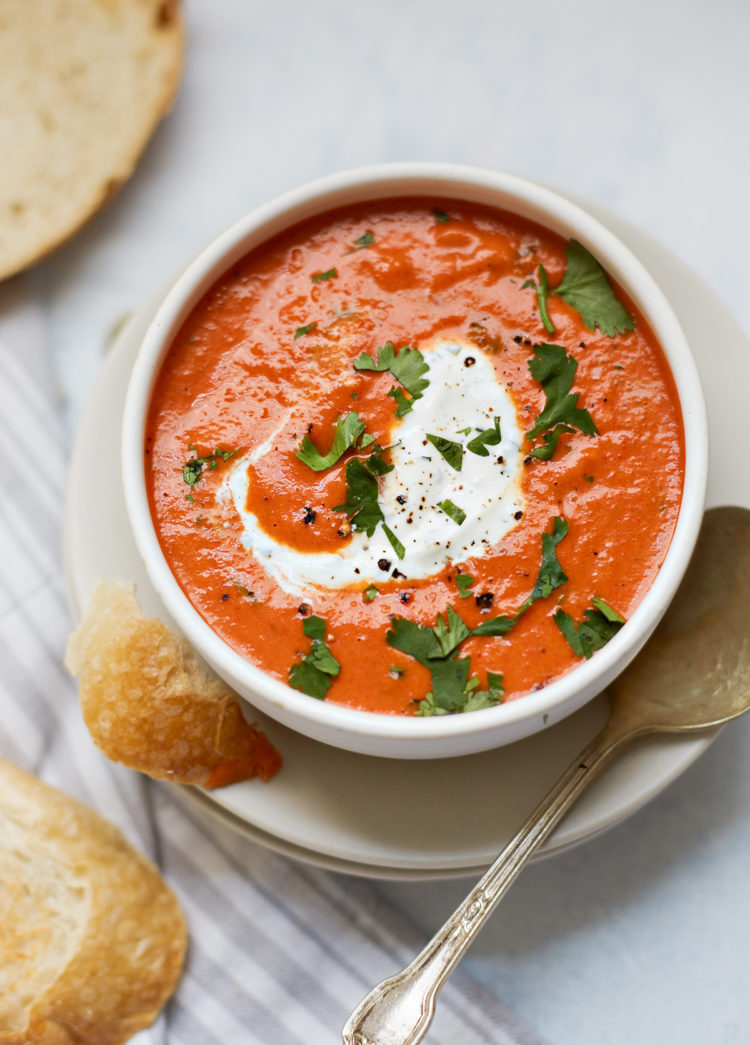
[{"x": 264, "y": 369}]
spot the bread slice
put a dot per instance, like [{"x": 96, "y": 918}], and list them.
[
  {"x": 92, "y": 939},
  {"x": 148, "y": 701},
  {"x": 83, "y": 84}
]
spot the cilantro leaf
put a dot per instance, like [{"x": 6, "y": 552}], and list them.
[
  {"x": 489, "y": 437},
  {"x": 594, "y": 631},
  {"x": 500, "y": 625},
  {"x": 407, "y": 367},
  {"x": 586, "y": 288},
  {"x": 441, "y": 216},
  {"x": 551, "y": 574},
  {"x": 316, "y": 671},
  {"x": 321, "y": 276},
  {"x": 301, "y": 331},
  {"x": 403, "y": 405},
  {"x": 370, "y": 592},
  {"x": 458, "y": 515},
  {"x": 542, "y": 293},
  {"x": 417, "y": 640},
  {"x": 192, "y": 470},
  {"x": 452, "y": 452},
  {"x": 555, "y": 370},
  {"x": 464, "y": 582},
  {"x": 449, "y": 631},
  {"x": 487, "y": 698},
  {"x": 395, "y": 543},
  {"x": 609, "y": 613},
  {"x": 361, "y": 497},
  {"x": 348, "y": 430}
]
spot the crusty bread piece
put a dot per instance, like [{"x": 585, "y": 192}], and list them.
[
  {"x": 83, "y": 84},
  {"x": 92, "y": 940},
  {"x": 149, "y": 703}
]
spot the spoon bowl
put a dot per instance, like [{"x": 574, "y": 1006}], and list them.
[{"x": 693, "y": 674}]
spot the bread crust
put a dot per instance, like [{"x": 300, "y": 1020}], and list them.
[
  {"x": 84, "y": 85},
  {"x": 96, "y": 956},
  {"x": 149, "y": 703}
]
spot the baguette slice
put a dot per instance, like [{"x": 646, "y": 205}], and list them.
[
  {"x": 92, "y": 940},
  {"x": 149, "y": 703},
  {"x": 83, "y": 84}
]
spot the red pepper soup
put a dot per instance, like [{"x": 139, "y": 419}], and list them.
[{"x": 415, "y": 457}]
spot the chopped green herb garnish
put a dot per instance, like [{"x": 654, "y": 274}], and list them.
[
  {"x": 555, "y": 370},
  {"x": 542, "y": 293},
  {"x": 489, "y": 437},
  {"x": 192, "y": 470},
  {"x": 551, "y": 574},
  {"x": 403, "y": 405},
  {"x": 329, "y": 274},
  {"x": 458, "y": 515},
  {"x": 586, "y": 288},
  {"x": 370, "y": 592},
  {"x": 361, "y": 505},
  {"x": 394, "y": 541},
  {"x": 348, "y": 430},
  {"x": 464, "y": 582},
  {"x": 464, "y": 431},
  {"x": 301, "y": 331},
  {"x": 452, "y": 452},
  {"x": 599, "y": 625},
  {"x": 618, "y": 367},
  {"x": 398, "y": 672},
  {"x": 441, "y": 216},
  {"x": 316, "y": 671},
  {"x": 407, "y": 366},
  {"x": 363, "y": 242}
]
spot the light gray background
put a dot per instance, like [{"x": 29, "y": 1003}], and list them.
[{"x": 641, "y": 935}]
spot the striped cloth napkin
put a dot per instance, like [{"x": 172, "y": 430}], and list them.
[{"x": 279, "y": 952}]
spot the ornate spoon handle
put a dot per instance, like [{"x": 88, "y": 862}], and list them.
[{"x": 400, "y": 1009}]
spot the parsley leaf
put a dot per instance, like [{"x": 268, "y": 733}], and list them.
[
  {"x": 301, "y": 331},
  {"x": 555, "y": 370},
  {"x": 458, "y": 515},
  {"x": 585, "y": 287},
  {"x": 489, "y": 437},
  {"x": 464, "y": 581},
  {"x": 452, "y": 452},
  {"x": 316, "y": 671},
  {"x": 594, "y": 631},
  {"x": 407, "y": 366},
  {"x": 329, "y": 274},
  {"x": 192, "y": 470},
  {"x": 348, "y": 430}
]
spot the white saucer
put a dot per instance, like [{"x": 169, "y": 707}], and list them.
[{"x": 427, "y": 819}]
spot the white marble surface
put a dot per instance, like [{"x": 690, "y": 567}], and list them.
[{"x": 642, "y": 934}]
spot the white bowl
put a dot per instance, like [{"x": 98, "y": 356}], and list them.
[{"x": 387, "y": 735}]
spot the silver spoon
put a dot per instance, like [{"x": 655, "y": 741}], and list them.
[{"x": 694, "y": 674}]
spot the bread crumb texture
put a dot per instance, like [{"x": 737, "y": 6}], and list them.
[
  {"x": 83, "y": 84},
  {"x": 92, "y": 940},
  {"x": 148, "y": 701}
]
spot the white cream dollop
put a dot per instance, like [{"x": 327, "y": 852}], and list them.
[{"x": 463, "y": 393}]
